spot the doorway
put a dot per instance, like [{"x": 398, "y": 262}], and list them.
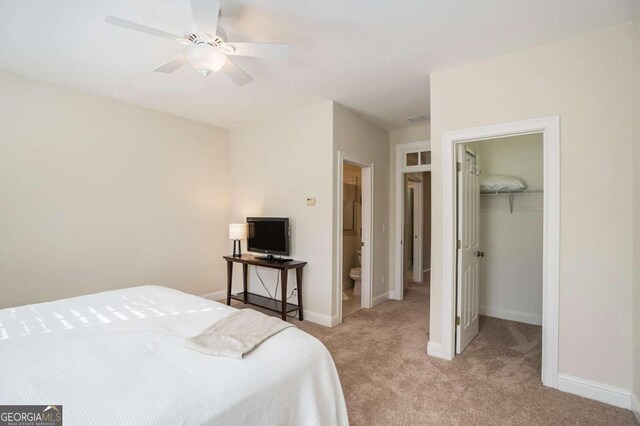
[
  {"x": 412, "y": 246},
  {"x": 351, "y": 239},
  {"x": 354, "y": 218},
  {"x": 549, "y": 127},
  {"x": 417, "y": 228},
  {"x": 500, "y": 202}
]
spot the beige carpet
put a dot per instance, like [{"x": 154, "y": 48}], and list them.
[{"x": 389, "y": 380}]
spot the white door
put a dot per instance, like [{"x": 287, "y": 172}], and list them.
[{"x": 468, "y": 248}]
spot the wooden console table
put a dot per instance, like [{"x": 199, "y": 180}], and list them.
[{"x": 281, "y": 306}]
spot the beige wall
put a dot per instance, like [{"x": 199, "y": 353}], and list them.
[
  {"x": 97, "y": 194},
  {"x": 397, "y": 137},
  {"x": 519, "y": 156},
  {"x": 354, "y": 135},
  {"x": 275, "y": 165},
  {"x": 636, "y": 217},
  {"x": 587, "y": 81}
]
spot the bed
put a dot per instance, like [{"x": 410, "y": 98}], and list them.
[{"x": 119, "y": 357}]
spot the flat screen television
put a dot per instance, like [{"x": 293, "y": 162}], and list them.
[{"x": 268, "y": 235}]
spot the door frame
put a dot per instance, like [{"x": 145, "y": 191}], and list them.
[
  {"x": 366, "y": 295},
  {"x": 550, "y": 129},
  {"x": 401, "y": 169},
  {"x": 416, "y": 239}
]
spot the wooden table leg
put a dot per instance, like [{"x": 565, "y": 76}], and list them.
[
  {"x": 245, "y": 268},
  {"x": 283, "y": 277},
  {"x": 229, "y": 280},
  {"x": 299, "y": 287}
]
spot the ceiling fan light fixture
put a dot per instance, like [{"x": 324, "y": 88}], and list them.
[{"x": 205, "y": 58}]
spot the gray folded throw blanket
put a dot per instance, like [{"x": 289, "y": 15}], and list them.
[{"x": 237, "y": 334}]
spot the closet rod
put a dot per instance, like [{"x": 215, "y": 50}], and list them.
[
  {"x": 511, "y": 194},
  {"x": 522, "y": 191}
]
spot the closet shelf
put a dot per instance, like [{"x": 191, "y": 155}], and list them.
[{"x": 511, "y": 194}]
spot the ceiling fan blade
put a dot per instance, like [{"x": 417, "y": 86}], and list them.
[
  {"x": 172, "y": 65},
  {"x": 119, "y": 22},
  {"x": 236, "y": 74},
  {"x": 259, "y": 50},
  {"x": 205, "y": 15}
]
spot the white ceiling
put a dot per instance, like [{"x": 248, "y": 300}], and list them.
[{"x": 372, "y": 56}]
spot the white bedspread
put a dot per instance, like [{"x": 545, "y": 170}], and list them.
[{"x": 119, "y": 358}]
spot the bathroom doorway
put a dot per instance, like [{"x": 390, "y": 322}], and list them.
[
  {"x": 351, "y": 239},
  {"x": 353, "y": 234}
]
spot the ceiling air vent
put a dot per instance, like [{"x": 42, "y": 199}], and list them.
[{"x": 419, "y": 118}]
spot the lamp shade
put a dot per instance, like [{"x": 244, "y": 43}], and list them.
[
  {"x": 237, "y": 231},
  {"x": 205, "y": 58}
]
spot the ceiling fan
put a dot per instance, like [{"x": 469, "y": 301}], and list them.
[{"x": 207, "y": 49}]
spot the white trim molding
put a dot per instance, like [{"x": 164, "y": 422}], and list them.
[
  {"x": 397, "y": 291},
  {"x": 593, "y": 390},
  {"x": 635, "y": 406},
  {"x": 511, "y": 315},
  {"x": 321, "y": 319},
  {"x": 381, "y": 298},
  {"x": 216, "y": 295},
  {"x": 434, "y": 349},
  {"x": 550, "y": 129}
]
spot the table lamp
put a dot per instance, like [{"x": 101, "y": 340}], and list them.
[{"x": 237, "y": 232}]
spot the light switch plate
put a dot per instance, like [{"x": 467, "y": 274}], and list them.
[{"x": 311, "y": 201}]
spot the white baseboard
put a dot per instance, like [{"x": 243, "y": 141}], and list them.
[
  {"x": 635, "y": 406},
  {"x": 381, "y": 298},
  {"x": 510, "y": 315},
  {"x": 594, "y": 390},
  {"x": 321, "y": 319},
  {"x": 216, "y": 295},
  {"x": 435, "y": 349}
]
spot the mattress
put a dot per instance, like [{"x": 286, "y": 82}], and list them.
[{"x": 119, "y": 357}]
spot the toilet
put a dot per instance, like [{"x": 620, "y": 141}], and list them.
[{"x": 355, "y": 275}]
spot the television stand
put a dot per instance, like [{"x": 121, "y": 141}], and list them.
[{"x": 283, "y": 265}]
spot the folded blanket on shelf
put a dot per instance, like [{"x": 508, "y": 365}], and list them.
[{"x": 491, "y": 183}]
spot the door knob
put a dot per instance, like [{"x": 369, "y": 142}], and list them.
[
  {"x": 361, "y": 243},
  {"x": 480, "y": 254}
]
